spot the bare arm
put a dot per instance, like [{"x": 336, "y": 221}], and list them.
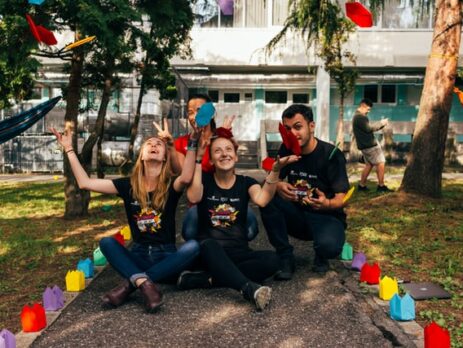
[
  {"x": 83, "y": 180},
  {"x": 188, "y": 167},
  {"x": 263, "y": 195},
  {"x": 194, "y": 192}
]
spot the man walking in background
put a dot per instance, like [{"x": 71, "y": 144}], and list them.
[{"x": 367, "y": 144}]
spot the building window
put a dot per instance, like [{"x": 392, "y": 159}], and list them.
[
  {"x": 248, "y": 97},
  {"x": 371, "y": 92},
  {"x": 280, "y": 12},
  {"x": 231, "y": 97},
  {"x": 300, "y": 98},
  {"x": 404, "y": 14},
  {"x": 276, "y": 97},
  {"x": 388, "y": 94},
  {"x": 214, "y": 95},
  {"x": 236, "y": 13}
]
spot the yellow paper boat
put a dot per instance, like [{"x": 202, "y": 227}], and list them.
[
  {"x": 78, "y": 43},
  {"x": 348, "y": 194}
]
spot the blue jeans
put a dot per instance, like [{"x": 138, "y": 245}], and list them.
[
  {"x": 282, "y": 218},
  {"x": 190, "y": 224},
  {"x": 157, "y": 263}
]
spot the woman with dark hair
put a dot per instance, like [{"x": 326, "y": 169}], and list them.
[
  {"x": 150, "y": 198},
  {"x": 222, "y": 198}
]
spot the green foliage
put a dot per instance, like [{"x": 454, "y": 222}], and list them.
[{"x": 169, "y": 24}]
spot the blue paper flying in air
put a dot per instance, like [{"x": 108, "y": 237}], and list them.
[
  {"x": 205, "y": 114},
  {"x": 36, "y": 2}
]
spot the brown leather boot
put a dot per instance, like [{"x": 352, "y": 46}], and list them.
[
  {"x": 119, "y": 294},
  {"x": 151, "y": 295}
]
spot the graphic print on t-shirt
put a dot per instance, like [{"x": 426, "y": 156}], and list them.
[
  {"x": 303, "y": 188},
  {"x": 223, "y": 215},
  {"x": 148, "y": 220}
]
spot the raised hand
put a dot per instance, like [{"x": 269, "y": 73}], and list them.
[
  {"x": 164, "y": 134},
  {"x": 65, "y": 139},
  {"x": 228, "y": 121},
  {"x": 284, "y": 161}
]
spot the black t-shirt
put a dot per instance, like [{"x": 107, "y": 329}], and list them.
[
  {"x": 316, "y": 170},
  {"x": 150, "y": 226},
  {"x": 222, "y": 213}
]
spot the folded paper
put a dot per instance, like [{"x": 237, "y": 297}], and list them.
[
  {"x": 348, "y": 194},
  {"x": 402, "y": 309},
  {"x": 126, "y": 232},
  {"x": 267, "y": 164},
  {"x": 370, "y": 273},
  {"x": 53, "y": 299},
  {"x": 7, "y": 339},
  {"x": 205, "y": 114},
  {"x": 75, "y": 281},
  {"x": 98, "y": 258},
  {"x": 40, "y": 33},
  {"x": 79, "y": 43},
  {"x": 289, "y": 140},
  {"x": 86, "y": 266},
  {"x": 36, "y": 2},
  {"x": 359, "y": 14},
  {"x": 358, "y": 261},
  {"x": 120, "y": 238},
  {"x": 436, "y": 336},
  {"x": 387, "y": 288},
  {"x": 33, "y": 318},
  {"x": 226, "y": 6},
  {"x": 347, "y": 252}
]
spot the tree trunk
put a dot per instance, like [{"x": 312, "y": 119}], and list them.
[
  {"x": 98, "y": 131},
  {"x": 340, "y": 125},
  {"x": 76, "y": 200},
  {"x": 423, "y": 174}
]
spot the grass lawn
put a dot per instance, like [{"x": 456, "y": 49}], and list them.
[
  {"x": 417, "y": 239},
  {"x": 411, "y": 237},
  {"x": 38, "y": 247}
]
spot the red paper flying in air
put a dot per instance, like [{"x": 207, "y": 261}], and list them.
[
  {"x": 40, "y": 33},
  {"x": 436, "y": 337},
  {"x": 359, "y": 14},
  {"x": 267, "y": 164},
  {"x": 289, "y": 140},
  {"x": 370, "y": 274}
]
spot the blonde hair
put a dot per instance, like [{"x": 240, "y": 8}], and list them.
[{"x": 159, "y": 196}]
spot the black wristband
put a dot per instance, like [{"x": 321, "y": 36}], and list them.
[
  {"x": 199, "y": 160},
  {"x": 192, "y": 143}
]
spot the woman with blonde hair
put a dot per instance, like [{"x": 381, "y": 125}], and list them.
[{"x": 150, "y": 198}]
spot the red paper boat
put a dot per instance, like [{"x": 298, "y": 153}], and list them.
[
  {"x": 436, "y": 337},
  {"x": 267, "y": 164},
  {"x": 370, "y": 274},
  {"x": 40, "y": 33},
  {"x": 289, "y": 140},
  {"x": 120, "y": 238},
  {"x": 359, "y": 14}
]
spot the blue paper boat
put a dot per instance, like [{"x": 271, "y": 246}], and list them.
[
  {"x": 86, "y": 266},
  {"x": 402, "y": 308},
  {"x": 205, "y": 114}
]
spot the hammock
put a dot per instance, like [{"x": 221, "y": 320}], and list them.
[{"x": 17, "y": 124}]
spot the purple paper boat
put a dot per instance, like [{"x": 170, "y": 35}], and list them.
[
  {"x": 53, "y": 299},
  {"x": 358, "y": 261},
  {"x": 7, "y": 339},
  {"x": 226, "y": 6}
]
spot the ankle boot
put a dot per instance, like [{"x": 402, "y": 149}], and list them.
[
  {"x": 119, "y": 294},
  {"x": 151, "y": 295},
  {"x": 257, "y": 294}
]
